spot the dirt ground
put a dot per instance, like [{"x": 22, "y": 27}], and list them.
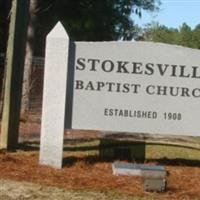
[{"x": 13, "y": 190}]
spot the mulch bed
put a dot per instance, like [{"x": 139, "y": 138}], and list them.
[{"x": 82, "y": 171}]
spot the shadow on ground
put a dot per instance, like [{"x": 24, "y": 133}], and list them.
[{"x": 109, "y": 151}]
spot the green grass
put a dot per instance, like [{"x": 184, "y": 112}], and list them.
[
  {"x": 171, "y": 152},
  {"x": 152, "y": 151}
]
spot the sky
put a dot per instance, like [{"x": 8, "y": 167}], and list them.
[{"x": 173, "y": 13}]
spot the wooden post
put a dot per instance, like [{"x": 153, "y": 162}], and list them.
[{"x": 14, "y": 74}]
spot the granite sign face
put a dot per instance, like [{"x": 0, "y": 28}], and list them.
[
  {"x": 137, "y": 87},
  {"x": 140, "y": 87}
]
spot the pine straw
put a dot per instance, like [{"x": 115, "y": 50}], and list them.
[{"x": 92, "y": 173}]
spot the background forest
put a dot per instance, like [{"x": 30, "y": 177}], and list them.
[{"x": 98, "y": 20}]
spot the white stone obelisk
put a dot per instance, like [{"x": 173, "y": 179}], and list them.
[{"x": 54, "y": 97}]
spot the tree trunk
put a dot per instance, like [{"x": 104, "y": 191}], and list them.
[{"x": 29, "y": 57}]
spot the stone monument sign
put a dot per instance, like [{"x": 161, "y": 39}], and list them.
[{"x": 140, "y": 87}]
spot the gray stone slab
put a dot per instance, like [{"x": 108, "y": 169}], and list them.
[
  {"x": 154, "y": 172},
  {"x": 126, "y": 169},
  {"x": 54, "y": 97},
  {"x": 144, "y": 170}
]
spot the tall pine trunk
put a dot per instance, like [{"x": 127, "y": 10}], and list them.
[{"x": 30, "y": 46}]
